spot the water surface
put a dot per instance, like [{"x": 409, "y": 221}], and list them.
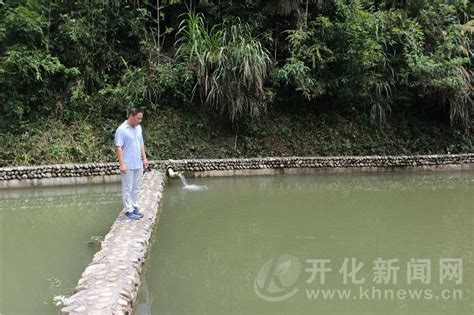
[
  {"x": 45, "y": 241},
  {"x": 248, "y": 240}
]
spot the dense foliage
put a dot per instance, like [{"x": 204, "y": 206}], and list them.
[{"x": 81, "y": 64}]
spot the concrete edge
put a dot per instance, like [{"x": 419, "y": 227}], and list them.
[
  {"x": 59, "y": 181},
  {"x": 332, "y": 170}
]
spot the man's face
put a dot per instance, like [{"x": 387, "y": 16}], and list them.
[{"x": 136, "y": 120}]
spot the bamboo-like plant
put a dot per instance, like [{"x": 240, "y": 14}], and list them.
[{"x": 230, "y": 64}]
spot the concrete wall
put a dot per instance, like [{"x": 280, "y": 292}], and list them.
[
  {"x": 315, "y": 165},
  {"x": 68, "y": 174}
]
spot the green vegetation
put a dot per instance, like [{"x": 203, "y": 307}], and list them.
[
  {"x": 230, "y": 65},
  {"x": 235, "y": 78}
]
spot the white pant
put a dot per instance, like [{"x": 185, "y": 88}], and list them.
[{"x": 131, "y": 182}]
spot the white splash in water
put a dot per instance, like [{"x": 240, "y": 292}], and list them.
[
  {"x": 191, "y": 187},
  {"x": 183, "y": 179},
  {"x": 195, "y": 187}
]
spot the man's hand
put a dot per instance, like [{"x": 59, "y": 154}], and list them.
[
  {"x": 123, "y": 169},
  {"x": 145, "y": 163}
]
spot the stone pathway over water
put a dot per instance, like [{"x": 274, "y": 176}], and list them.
[{"x": 109, "y": 285}]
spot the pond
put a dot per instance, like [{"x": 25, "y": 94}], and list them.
[
  {"x": 326, "y": 244},
  {"x": 47, "y": 238}
]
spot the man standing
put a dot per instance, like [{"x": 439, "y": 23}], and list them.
[{"x": 131, "y": 155}]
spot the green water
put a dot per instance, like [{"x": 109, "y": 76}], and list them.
[
  {"x": 45, "y": 242},
  {"x": 228, "y": 249}
]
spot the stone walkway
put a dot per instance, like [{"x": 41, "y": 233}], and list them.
[{"x": 109, "y": 285}]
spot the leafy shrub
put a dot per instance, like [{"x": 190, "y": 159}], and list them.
[{"x": 231, "y": 66}]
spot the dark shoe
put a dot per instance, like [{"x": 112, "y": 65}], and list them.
[
  {"x": 132, "y": 216},
  {"x": 137, "y": 212}
]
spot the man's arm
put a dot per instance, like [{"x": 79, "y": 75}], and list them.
[
  {"x": 145, "y": 160},
  {"x": 123, "y": 167}
]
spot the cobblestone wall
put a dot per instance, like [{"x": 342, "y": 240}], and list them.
[
  {"x": 203, "y": 165},
  {"x": 109, "y": 285},
  {"x": 279, "y": 165}
]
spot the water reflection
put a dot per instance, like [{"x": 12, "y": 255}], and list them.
[
  {"x": 47, "y": 238},
  {"x": 59, "y": 197}
]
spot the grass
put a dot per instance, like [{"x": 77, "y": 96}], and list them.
[{"x": 182, "y": 134}]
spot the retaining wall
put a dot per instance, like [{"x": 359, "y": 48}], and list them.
[
  {"x": 61, "y": 174},
  {"x": 297, "y": 165},
  {"x": 109, "y": 172}
]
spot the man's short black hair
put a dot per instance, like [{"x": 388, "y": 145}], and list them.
[{"x": 134, "y": 111}]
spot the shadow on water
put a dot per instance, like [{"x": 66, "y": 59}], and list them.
[{"x": 144, "y": 307}]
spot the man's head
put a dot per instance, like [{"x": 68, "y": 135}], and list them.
[{"x": 135, "y": 117}]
